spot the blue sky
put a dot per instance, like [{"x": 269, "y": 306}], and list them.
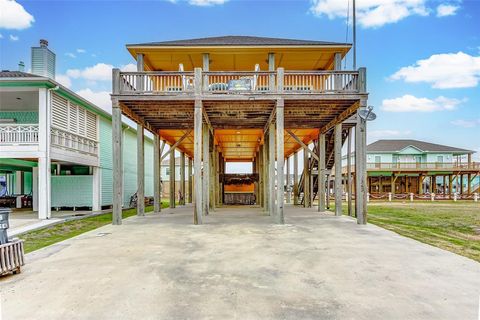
[{"x": 422, "y": 57}]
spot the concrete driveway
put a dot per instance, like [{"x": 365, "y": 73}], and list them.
[{"x": 240, "y": 266}]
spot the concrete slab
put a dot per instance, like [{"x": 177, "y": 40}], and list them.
[{"x": 240, "y": 266}]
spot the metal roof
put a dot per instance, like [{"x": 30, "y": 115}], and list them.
[
  {"x": 398, "y": 145},
  {"x": 241, "y": 41},
  {"x": 17, "y": 74}
]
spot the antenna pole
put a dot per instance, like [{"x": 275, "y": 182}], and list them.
[{"x": 354, "y": 37}]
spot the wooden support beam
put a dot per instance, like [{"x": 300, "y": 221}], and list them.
[
  {"x": 321, "y": 172},
  {"x": 182, "y": 179},
  {"x": 117, "y": 163},
  {"x": 361, "y": 188},
  {"x": 289, "y": 189},
  {"x": 295, "y": 178},
  {"x": 172, "y": 177},
  {"x": 279, "y": 218},
  {"x": 338, "y": 169},
  {"x": 206, "y": 170},
  {"x": 260, "y": 176},
  {"x": 271, "y": 169},
  {"x": 198, "y": 123},
  {"x": 266, "y": 187},
  {"x": 176, "y": 144},
  {"x": 190, "y": 182},
  {"x": 269, "y": 121},
  {"x": 157, "y": 195},
  {"x": 306, "y": 179},
  {"x": 349, "y": 172},
  {"x": 140, "y": 171},
  {"x": 302, "y": 144},
  {"x": 341, "y": 117},
  {"x": 211, "y": 178}
]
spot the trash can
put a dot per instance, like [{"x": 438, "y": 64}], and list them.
[{"x": 4, "y": 213}]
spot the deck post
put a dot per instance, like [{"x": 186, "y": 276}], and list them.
[
  {"x": 337, "y": 65},
  {"x": 279, "y": 218},
  {"x": 266, "y": 188},
  {"x": 321, "y": 172},
  {"x": 140, "y": 171},
  {"x": 349, "y": 172},
  {"x": 260, "y": 176},
  {"x": 338, "y": 168},
  {"x": 198, "y": 123},
  {"x": 157, "y": 197},
  {"x": 271, "y": 67},
  {"x": 172, "y": 177},
  {"x": 295, "y": 179},
  {"x": 271, "y": 169},
  {"x": 206, "y": 170},
  {"x": 44, "y": 160},
  {"x": 190, "y": 182},
  {"x": 360, "y": 171},
  {"x": 306, "y": 180},
  {"x": 211, "y": 178},
  {"x": 117, "y": 161},
  {"x": 289, "y": 189},
  {"x": 182, "y": 178}
]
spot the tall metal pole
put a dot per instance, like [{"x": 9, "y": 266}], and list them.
[{"x": 354, "y": 37}]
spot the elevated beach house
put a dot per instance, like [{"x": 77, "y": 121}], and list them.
[
  {"x": 412, "y": 166},
  {"x": 56, "y": 147},
  {"x": 244, "y": 99}
]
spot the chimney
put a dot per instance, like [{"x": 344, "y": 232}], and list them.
[
  {"x": 43, "y": 60},
  {"x": 21, "y": 66}
]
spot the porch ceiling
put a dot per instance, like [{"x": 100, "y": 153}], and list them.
[{"x": 238, "y": 125}]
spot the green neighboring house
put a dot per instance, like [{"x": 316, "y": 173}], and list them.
[
  {"x": 56, "y": 147},
  {"x": 412, "y": 166}
]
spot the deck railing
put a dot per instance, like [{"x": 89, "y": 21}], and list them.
[
  {"x": 71, "y": 141},
  {"x": 18, "y": 133},
  {"x": 230, "y": 82},
  {"x": 412, "y": 166}
]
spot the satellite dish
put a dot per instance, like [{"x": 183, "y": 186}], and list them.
[{"x": 367, "y": 114}]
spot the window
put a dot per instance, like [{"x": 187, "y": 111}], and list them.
[
  {"x": 167, "y": 171},
  {"x": 378, "y": 160}
]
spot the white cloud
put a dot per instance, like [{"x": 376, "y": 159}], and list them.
[
  {"x": 445, "y": 10},
  {"x": 206, "y": 3},
  {"x": 129, "y": 67},
  {"x": 443, "y": 71},
  {"x": 371, "y": 13},
  {"x": 100, "y": 98},
  {"x": 409, "y": 103},
  {"x": 98, "y": 72},
  {"x": 81, "y": 50},
  {"x": 71, "y": 55},
  {"x": 13, "y": 38},
  {"x": 382, "y": 134},
  {"x": 14, "y": 16},
  {"x": 63, "y": 80},
  {"x": 466, "y": 123}
]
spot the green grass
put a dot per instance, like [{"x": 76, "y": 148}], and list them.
[
  {"x": 38, "y": 239},
  {"x": 453, "y": 226}
]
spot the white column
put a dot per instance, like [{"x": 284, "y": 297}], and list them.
[
  {"x": 35, "y": 188},
  {"x": 271, "y": 169},
  {"x": 44, "y": 208},
  {"x": 289, "y": 189},
  {"x": 206, "y": 170},
  {"x": 44, "y": 174},
  {"x": 18, "y": 182},
  {"x": 97, "y": 189},
  {"x": 360, "y": 171},
  {"x": 117, "y": 164},
  {"x": 321, "y": 173}
]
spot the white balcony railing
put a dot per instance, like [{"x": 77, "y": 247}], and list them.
[
  {"x": 18, "y": 133},
  {"x": 71, "y": 141},
  {"x": 217, "y": 82}
]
